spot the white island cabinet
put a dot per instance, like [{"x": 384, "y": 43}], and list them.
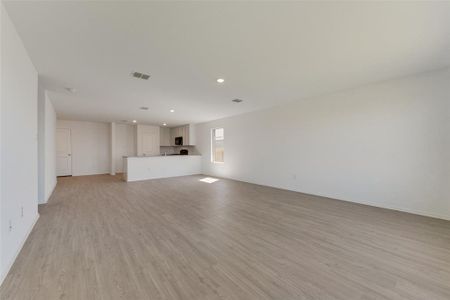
[{"x": 151, "y": 167}]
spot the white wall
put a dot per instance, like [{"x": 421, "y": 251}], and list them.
[
  {"x": 90, "y": 146},
  {"x": 41, "y": 144},
  {"x": 112, "y": 148},
  {"x": 2, "y": 271},
  {"x": 147, "y": 140},
  {"x": 385, "y": 144},
  {"x": 2, "y": 29},
  {"x": 46, "y": 146},
  {"x": 91, "y": 150},
  {"x": 50, "y": 151},
  {"x": 19, "y": 166},
  {"x": 125, "y": 144}
]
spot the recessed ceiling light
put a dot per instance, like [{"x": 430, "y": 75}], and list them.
[
  {"x": 143, "y": 108},
  {"x": 172, "y": 110},
  {"x": 72, "y": 90},
  {"x": 134, "y": 121},
  {"x": 220, "y": 80},
  {"x": 237, "y": 100},
  {"x": 164, "y": 124}
]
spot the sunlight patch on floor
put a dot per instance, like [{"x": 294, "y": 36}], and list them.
[{"x": 209, "y": 180}]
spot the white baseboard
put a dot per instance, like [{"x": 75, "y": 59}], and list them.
[
  {"x": 405, "y": 210},
  {"x": 10, "y": 264},
  {"x": 89, "y": 173},
  {"x": 369, "y": 203}
]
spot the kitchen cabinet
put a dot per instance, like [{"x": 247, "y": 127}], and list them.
[
  {"x": 174, "y": 132},
  {"x": 191, "y": 134},
  {"x": 164, "y": 136},
  {"x": 186, "y": 131}
]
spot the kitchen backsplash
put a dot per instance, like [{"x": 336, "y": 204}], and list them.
[{"x": 176, "y": 149}]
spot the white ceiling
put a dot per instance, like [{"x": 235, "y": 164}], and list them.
[{"x": 269, "y": 53}]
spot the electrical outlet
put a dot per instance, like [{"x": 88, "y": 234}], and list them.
[
  {"x": 10, "y": 225},
  {"x": 21, "y": 211},
  {"x": 294, "y": 176}
]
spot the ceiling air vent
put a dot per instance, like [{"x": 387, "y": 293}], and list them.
[
  {"x": 140, "y": 75},
  {"x": 237, "y": 100}
]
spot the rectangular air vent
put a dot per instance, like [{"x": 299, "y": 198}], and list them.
[{"x": 140, "y": 75}]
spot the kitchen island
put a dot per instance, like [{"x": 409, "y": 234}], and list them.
[{"x": 137, "y": 168}]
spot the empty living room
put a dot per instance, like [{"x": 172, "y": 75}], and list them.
[{"x": 240, "y": 150}]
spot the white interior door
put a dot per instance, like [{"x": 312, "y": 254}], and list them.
[{"x": 63, "y": 152}]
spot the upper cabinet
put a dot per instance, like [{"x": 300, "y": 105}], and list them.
[
  {"x": 187, "y": 132},
  {"x": 164, "y": 136},
  {"x": 190, "y": 131}
]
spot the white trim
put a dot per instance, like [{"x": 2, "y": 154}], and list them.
[
  {"x": 212, "y": 139},
  {"x": 10, "y": 264},
  {"x": 211, "y": 131},
  {"x": 106, "y": 172},
  {"x": 368, "y": 203}
]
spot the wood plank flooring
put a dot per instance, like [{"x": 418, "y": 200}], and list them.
[{"x": 179, "y": 238}]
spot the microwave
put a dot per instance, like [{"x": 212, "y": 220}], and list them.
[{"x": 179, "y": 141}]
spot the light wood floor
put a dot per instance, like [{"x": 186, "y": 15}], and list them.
[{"x": 179, "y": 238}]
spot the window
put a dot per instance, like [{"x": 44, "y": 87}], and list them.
[{"x": 217, "y": 150}]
